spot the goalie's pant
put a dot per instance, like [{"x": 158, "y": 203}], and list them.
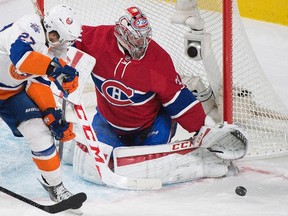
[
  {"x": 161, "y": 131},
  {"x": 24, "y": 118}
]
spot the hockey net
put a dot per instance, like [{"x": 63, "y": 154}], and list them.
[{"x": 254, "y": 104}]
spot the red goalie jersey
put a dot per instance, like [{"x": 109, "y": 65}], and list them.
[{"x": 131, "y": 92}]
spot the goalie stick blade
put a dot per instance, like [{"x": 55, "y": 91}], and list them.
[
  {"x": 113, "y": 180},
  {"x": 141, "y": 184},
  {"x": 74, "y": 202}
]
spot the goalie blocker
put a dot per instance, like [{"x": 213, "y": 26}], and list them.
[{"x": 209, "y": 154}]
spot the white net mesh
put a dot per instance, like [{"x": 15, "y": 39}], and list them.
[{"x": 255, "y": 104}]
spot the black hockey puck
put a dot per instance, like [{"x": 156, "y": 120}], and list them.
[{"x": 241, "y": 191}]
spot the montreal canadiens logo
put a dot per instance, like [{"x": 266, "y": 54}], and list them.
[
  {"x": 117, "y": 93},
  {"x": 141, "y": 23}
]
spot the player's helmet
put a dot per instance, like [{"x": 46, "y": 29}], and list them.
[
  {"x": 133, "y": 32},
  {"x": 65, "y": 22}
]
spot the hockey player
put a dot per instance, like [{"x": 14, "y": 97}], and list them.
[
  {"x": 27, "y": 104},
  {"x": 138, "y": 89},
  {"x": 140, "y": 96}
]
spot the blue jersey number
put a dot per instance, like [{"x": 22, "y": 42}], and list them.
[{"x": 27, "y": 38}]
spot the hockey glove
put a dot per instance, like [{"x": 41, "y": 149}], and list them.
[
  {"x": 57, "y": 68},
  {"x": 227, "y": 141},
  {"x": 61, "y": 131}
]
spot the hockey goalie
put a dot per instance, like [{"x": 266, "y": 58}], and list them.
[{"x": 141, "y": 100}]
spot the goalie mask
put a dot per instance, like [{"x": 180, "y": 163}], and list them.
[
  {"x": 63, "y": 20},
  {"x": 133, "y": 32}
]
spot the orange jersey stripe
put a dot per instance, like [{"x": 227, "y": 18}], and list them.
[
  {"x": 42, "y": 95},
  {"x": 34, "y": 63},
  {"x": 49, "y": 164},
  {"x": 5, "y": 94}
]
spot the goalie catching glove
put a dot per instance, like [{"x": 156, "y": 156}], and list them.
[
  {"x": 227, "y": 141},
  {"x": 57, "y": 68},
  {"x": 61, "y": 131}
]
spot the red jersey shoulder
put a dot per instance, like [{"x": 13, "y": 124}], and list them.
[
  {"x": 159, "y": 57},
  {"x": 163, "y": 75},
  {"x": 159, "y": 61},
  {"x": 95, "y": 37}
]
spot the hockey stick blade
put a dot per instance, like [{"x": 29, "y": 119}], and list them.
[
  {"x": 112, "y": 179},
  {"x": 71, "y": 203}
]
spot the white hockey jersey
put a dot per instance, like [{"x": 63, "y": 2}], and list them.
[{"x": 20, "y": 61}]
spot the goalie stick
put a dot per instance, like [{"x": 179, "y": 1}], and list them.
[
  {"x": 107, "y": 176},
  {"x": 37, "y": 9},
  {"x": 84, "y": 64},
  {"x": 71, "y": 203}
]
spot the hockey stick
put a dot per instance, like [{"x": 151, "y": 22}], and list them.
[
  {"x": 58, "y": 83},
  {"x": 70, "y": 203},
  {"x": 85, "y": 63},
  {"x": 61, "y": 143}
]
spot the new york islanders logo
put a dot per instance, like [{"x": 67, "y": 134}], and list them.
[
  {"x": 69, "y": 20},
  {"x": 17, "y": 75},
  {"x": 117, "y": 93}
]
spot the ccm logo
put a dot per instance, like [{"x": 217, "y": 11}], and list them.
[{"x": 182, "y": 145}]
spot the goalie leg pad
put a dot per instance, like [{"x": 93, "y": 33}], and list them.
[
  {"x": 43, "y": 149},
  {"x": 212, "y": 165},
  {"x": 170, "y": 168},
  {"x": 84, "y": 164},
  {"x": 68, "y": 152}
]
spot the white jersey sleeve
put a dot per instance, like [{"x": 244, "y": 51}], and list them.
[
  {"x": 17, "y": 41},
  {"x": 30, "y": 30}
]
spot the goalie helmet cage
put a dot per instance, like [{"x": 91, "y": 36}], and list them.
[{"x": 249, "y": 99}]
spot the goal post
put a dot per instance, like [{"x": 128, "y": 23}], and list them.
[
  {"x": 242, "y": 92},
  {"x": 227, "y": 62}
]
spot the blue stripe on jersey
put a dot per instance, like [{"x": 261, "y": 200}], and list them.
[
  {"x": 18, "y": 49},
  {"x": 96, "y": 81},
  {"x": 137, "y": 97},
  {"x": 42, "y": 80},
  {"x": 45, "y": 152},
  {"x": 5, "y": 27},
  {"x": 183, "y": 101}
]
